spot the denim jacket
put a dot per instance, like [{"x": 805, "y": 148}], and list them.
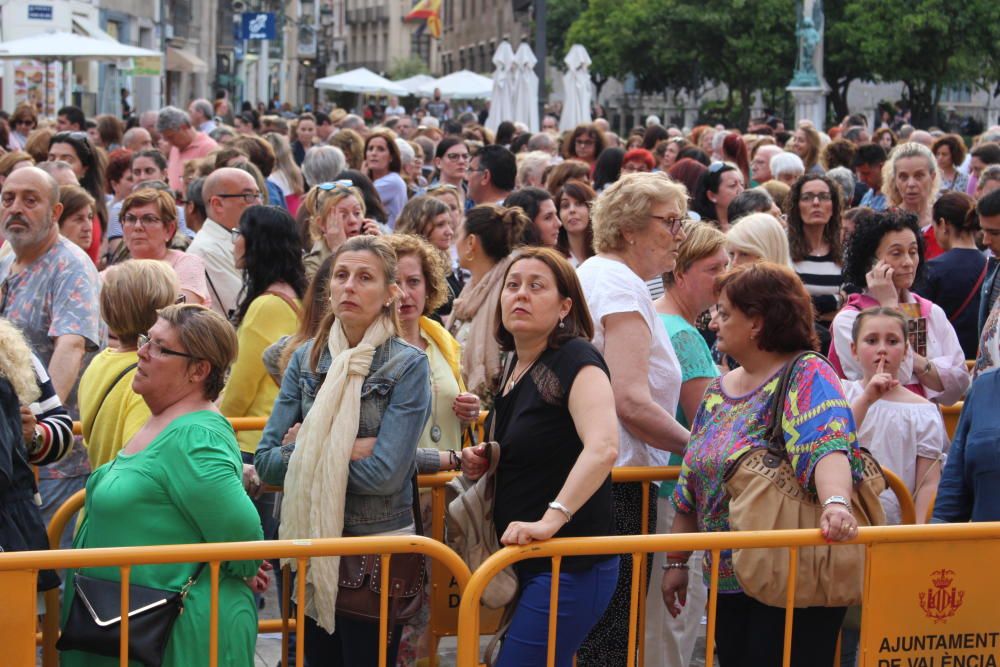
[{"x": 395, "y": 405}]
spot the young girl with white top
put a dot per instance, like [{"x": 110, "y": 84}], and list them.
[{"x": 904, "y": 431}]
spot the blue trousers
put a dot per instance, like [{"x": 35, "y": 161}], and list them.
[{"x": 583, "y": 598}]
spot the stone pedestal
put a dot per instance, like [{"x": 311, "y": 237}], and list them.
[{"x": 810, "y": 104}]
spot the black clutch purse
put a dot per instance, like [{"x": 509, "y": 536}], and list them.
[{"x": 94, "y": 621}]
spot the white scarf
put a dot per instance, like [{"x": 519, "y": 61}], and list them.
[{"x": 316, "y": 480}]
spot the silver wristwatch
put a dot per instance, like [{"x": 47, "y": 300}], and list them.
[
  {"x": 837, "y": 500},
  {"x": 556, "y": 505}
]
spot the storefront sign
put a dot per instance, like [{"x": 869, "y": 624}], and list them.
[
  {"x": 40, "y": 12},
  {"x": 933, "y": 604},
  {"x": 258, "y": 26}
]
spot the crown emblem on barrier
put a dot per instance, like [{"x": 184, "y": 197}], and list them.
[{"x": 941, "y": 600}]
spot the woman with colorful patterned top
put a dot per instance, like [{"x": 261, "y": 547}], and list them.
[{"x": 764, "y": 320}]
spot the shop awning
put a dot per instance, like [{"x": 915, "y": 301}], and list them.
[{"x": 179, "y": 60}]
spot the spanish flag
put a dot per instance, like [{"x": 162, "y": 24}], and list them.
[{"x": 428, "y": 11}]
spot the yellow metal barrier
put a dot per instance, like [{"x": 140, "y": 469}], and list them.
[
  {"x": 950, "y": 414},
  {"x": 214, "y": 554},
  {"x": 637, "y": 545}
]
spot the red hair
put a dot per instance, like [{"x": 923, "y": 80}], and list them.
[{"x": 735, "y": 151}]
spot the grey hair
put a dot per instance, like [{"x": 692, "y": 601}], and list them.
[
  {"x": 131, "y": 133},
  {"x": 323, "y": 164},
  {"x": 406, "y": 153},
  {"x": 542, "y": 141},
  {"x": 352, "y": 122},
  {"x": 172, "y": 118},
  {"x": 50, "y": 168},
  {"x": 221, "y": 131},
  {"x": 786, "y": 162},
  {"x": 843, "y": 177},
  {"x": 991, "y": 173},
  {"x": 754, "y": 200},
  {"x": 204, "y": 107}
]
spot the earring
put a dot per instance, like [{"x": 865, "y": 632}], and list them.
[
  {"x": 562, "y": 325},
  {"x": 631, "y": 242}
]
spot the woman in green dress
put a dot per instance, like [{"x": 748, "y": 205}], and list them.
[{"x": 179, "y": 481}]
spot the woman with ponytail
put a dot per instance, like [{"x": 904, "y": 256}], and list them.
[{"x": 485, "y": 245}]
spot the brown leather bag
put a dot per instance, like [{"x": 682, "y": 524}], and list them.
[
  {"x": 766, "y": 495},
  {"x": 360, "y": 582}
]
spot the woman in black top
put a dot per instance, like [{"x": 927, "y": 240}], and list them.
[
  {"x": 555, "y": 421},
  {"x": 954, "y": 278}
]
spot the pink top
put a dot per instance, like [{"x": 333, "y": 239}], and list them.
[
  {"x": 190, "y": 273},
  {"x": 201, "y": 146}
]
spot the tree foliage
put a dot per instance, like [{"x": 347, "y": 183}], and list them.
[{"x": 750, "y": 44}]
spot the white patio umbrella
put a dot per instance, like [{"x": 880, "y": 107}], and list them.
[
  {"x": 576, "y": 83},
  {"x": 461, "y": 85},
  {"x": 53, "y": 46},
  {"x": 526, "y": 87},
  {"x": 502, "y": 97},
  {"x": 414, "y": 83},
  {"x": 361, "y": 80}
]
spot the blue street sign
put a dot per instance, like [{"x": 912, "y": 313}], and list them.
[
  {"x": 40, "y": 12},
  {"x": 258, "y": 26}
]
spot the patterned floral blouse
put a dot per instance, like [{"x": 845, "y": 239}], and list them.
[{"x": 817, "y": 421}]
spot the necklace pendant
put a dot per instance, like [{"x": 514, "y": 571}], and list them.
[{"x": 436, "y": 433}]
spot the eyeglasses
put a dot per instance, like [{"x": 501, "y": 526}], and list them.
[
  {"x": 471, "y": 170},
  {"x": 248, "y": 197},
  {"x": 716, "y": 167},
  {"x": 822, "y": 197},
  {"x": 235, "y": 232},
  {"x": 145, "y": 221},
  {"x": 584, "y": 142},
  {"x": 157, "y": 350},
  {"x": 24, "y": 121},
  {"x": 456, "y": 157},
  {"x": 342, "y": 184},
  {"x": 674, "y": 225}
]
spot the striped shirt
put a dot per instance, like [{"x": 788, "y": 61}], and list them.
[{"x": 54, "y": 423}]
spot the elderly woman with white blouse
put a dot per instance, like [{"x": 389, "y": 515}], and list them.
[{"x": 638, "y": 226}]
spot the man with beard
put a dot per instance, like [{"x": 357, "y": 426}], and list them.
[{"x": 50, "y": 292}]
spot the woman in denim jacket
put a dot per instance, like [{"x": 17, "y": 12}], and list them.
[{"x": 363, "y": 397}]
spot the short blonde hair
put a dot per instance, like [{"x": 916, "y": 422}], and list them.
[
  {"x": 319, "y": 202},
  {"x": 626, "y": 205},
  {"x": 762, "y": 235},
  {"x": 431, "y": 263},
  {"x": 701, "y": 240},
  {"x": 15, "y": 363},
  {"x": 207, "y": 336},
  {"x": 909, "y": 149},
  {"x": 132, "y": 292}
]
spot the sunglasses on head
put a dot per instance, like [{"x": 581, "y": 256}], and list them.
[{"x": 342, "y": 184}]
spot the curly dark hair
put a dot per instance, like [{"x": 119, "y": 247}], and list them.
[
  {"x": 831, "y": 232},
  {"x": 273, "y": 254},
  {"x": 869, "y": 230}
]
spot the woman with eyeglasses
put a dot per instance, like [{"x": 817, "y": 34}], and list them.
[
  {"x": 450, "y": 161},
  {"x": 22, "y": 122},
  {"x": 716, "y": 189},
  {"x": 814, "y": 207},
  {"x": 638, "y": 226},
  {"x": 178, "y": 481},
  {"x": 584, "y": 144},
  {"x": 89, "y": 165},
  {"x": 149, "y": 221},
  {"x": 266, "y": 250},
  {"x": 336, "y": 212}
]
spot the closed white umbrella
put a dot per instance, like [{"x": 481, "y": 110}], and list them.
[
  {"x": 526, "y": 87},
  {"x": 577, "y": 85},
  {"x": 414, "y": 83},
  {"x": 502, "y": 99},
  {"x": 361, "y": 80},
  {"x": 461, "y": 85}
]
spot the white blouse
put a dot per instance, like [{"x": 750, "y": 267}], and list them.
[
  {"x": 896, "y": 434},
  {"x": 943, "y": 350}
]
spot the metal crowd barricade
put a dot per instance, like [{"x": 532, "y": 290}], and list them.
[{"x": 558, "y": 548}]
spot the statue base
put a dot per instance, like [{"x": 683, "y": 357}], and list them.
[{"x": 810, "y": 104}]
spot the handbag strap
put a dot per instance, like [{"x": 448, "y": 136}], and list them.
[
  {"x": 114, "y": 383},
  {"x": 776, "y": 432},
  {"x": 192, "y": 580},
  {"x": 972, "y": 293}
]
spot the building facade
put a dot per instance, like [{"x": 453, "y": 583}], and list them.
[{"x": 472, "y": 29}]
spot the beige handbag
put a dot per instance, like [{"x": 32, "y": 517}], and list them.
[
  {"x": 470, "y": 530},
  {"x": 766, "y": 495}
]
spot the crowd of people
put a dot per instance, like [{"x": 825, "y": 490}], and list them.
[{"x": 370, "y": 290}]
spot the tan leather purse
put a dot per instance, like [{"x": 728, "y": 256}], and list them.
[{"x": 766, "y": 495}]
